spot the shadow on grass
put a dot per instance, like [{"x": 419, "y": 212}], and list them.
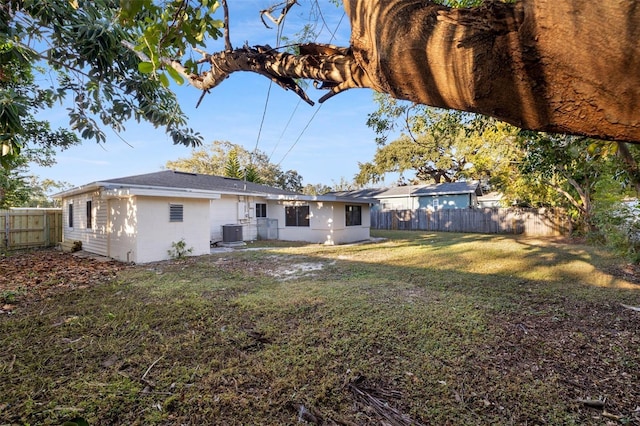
[{"x": 464, "y": 329}]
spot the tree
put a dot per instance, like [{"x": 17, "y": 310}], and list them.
[
  {"x": 17, "y": 187},
  {"x": 554, "y": 66},
  {"x": 616, "y": 219},
  {"x": 20, "y": 189},
  {"x": 317, "y": 189},
  {"x": 223, "y": 158},
  {"x": 290, "y": 180},
  {"x": 20, "y": 100},
  {"x": 79, "y": 44},
  {"x": 439, "y": 145},
  {"x": 232, "y": 166},
  {"x": 571, "y": 168}
]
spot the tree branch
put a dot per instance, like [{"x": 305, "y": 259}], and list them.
[{"x": 227, "y": 39}]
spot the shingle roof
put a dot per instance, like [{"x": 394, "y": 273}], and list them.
[
  {"x": 414, "y": 190},
  {"x": 183, "y": 180}
]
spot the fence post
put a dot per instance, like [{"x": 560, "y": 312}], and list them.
[
  {"x": 45, "y": 221},
  {"x": 7, "y": 228}
]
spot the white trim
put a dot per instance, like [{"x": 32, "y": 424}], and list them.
[
  {"x": 158, "y": 192},
  {"x": 321, "y": 198}
]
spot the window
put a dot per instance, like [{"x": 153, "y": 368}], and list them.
[
  {"x": 176, "y": 212},
  {"x": 435, "y": 204},
  {"x": 261, "y": 210},
  {"x": 89, "y": 215},
  {"x": 354, "y": 215},
  {"x": 297, "y": 216},
  {"x": 70, "y": 213}
]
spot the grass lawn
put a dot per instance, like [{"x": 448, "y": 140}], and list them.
[{"x": 420, "y": 328}]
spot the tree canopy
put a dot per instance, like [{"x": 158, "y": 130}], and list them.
[
  {"x": 80, "y": 47},
  {"x": 224, "y": 158},
  {"x": 530, "y": 62},
  {"x": 438, "y": 145}
]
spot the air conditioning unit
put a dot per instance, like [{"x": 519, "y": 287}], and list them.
[{"x": 231, "y": 233}]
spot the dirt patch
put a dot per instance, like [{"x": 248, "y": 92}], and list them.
[
  {"x": 590, "y": 349},
  {"x": 31, "y": 276},
  {"x": 293, "y": 270}
]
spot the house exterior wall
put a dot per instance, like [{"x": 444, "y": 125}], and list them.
[
  {"x": 326, "y": 223},
  {"x": 235, "y": 210},
  {"x": 343, "y": 234},
  {"x": 122, "y": 228},
  {"x": 397, "y": 203},
  {"x": 137, "y": 228},
  {"x": 94, "y": 238},
  {"x": 457, "y": 201},
  {"x": 156, "y": 233}
]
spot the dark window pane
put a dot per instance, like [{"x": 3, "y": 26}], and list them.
[
  {"x": 89, "y": 215},
  {"x": 261, "y": 210},
  {"x": 297, "y": 216},
  {"x": 353, "y": 215}
]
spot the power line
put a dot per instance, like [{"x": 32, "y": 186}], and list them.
[
  {"x": 333, "y": 35},
  {"x": 278, "y": 38},
  {"x": 286, "y": 126},
  {"x": 300, "y": 135},
  {"x": 266, "y": 102}
]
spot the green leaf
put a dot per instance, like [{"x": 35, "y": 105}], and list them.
[
  {"x": 146, "y": 67},
  {"x": 164, "y": 80},
  {"x": 175, "y": 75}
]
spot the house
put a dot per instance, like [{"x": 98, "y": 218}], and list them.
[
  {"x": 138, "y": 218},
  {"x": 491, "y": 200},
  {"x": 451, "y": 195}
]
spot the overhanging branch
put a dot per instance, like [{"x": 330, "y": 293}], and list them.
[{"x": 333, "y": 67}]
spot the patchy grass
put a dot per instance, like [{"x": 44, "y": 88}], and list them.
[{"x": 421, "y": 328}]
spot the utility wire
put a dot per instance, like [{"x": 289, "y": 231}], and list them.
[
  {"x": 333, "y": 35},
  {"x": 300, "y": 135},
  {"x": 266, "y": 102}
]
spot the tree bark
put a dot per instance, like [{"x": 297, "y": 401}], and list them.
[{"x": 566, "y": 66}]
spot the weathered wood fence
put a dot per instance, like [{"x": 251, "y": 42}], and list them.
[
  {"x": 533, "y": 222},
  {"x": 30, "y": 228}
]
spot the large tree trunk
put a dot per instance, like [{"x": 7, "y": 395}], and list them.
[
  {"x": 569, "y": 66},
  {"x": 554, "y": 65}
]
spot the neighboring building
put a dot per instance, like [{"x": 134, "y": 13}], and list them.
[
  {"x": 137, "y": 218},
  {"x": 490, "y": 200},
  {"x": 453, "y": 195}
]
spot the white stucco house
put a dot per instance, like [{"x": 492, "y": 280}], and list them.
[{"x": 137, "y": 218}]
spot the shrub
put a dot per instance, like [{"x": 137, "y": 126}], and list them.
[{"x": 179, "y": 250}]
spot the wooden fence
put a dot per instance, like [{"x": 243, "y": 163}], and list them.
[
  {"x": 30, "y": 228},
  {"x": 533, "y": 222}
]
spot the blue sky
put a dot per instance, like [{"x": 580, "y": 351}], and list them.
[{"x": 334, "y": 141}]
